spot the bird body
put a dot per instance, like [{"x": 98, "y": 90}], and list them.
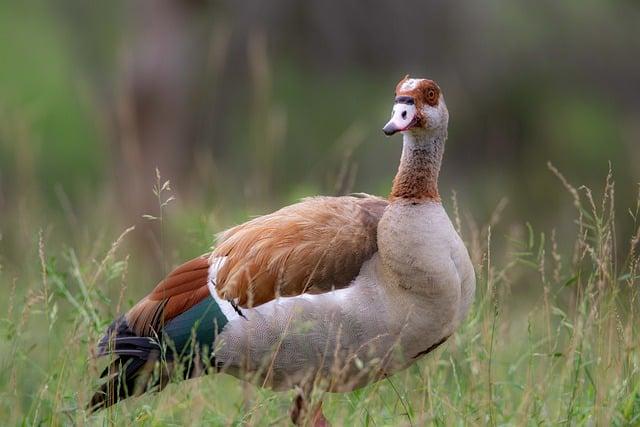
[
  {"x": 388, "y": 317},
  {"x": 334, "y": 292}
]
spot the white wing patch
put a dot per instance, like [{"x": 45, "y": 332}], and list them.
[{"x": 227, "y": 309}]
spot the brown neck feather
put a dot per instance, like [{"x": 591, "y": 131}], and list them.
[{"x": 417, "y": 177}]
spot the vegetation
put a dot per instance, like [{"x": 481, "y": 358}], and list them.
[{"x": 565, "y": 351}]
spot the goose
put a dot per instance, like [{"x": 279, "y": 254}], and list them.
[{"x": 330, "y": 292}]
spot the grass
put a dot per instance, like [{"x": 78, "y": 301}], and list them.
[{"x": 551, "y": 339}]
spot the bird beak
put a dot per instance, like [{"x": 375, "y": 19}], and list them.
[
  {"x": 390, "y": 128},
  {"x": 402, "y": 118}
]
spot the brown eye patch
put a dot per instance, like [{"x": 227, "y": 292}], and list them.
[
  {"x": 423, "y": 92},
  {"x": 431, "y": 95}
]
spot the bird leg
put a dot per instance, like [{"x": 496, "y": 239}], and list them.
[
  {"x": 318, "y": 419},
  {"x": 302, "y": 414}
]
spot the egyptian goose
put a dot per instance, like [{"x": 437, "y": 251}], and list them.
[{"x": 334, "y": 292}]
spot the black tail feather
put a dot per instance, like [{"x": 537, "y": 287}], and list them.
[
  {"x": 122, "y": 382},
  {"x": 130, "y": 372},
  {"x": 119, "y": 337},
  {"x": 135, "y": 369}
]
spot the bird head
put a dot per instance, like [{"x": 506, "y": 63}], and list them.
[{"x": 418, "y": 108}]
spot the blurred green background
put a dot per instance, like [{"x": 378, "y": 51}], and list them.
[{"x": 246, "y": 106}]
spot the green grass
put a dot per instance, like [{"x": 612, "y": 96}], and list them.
[{"x": 551, "y": 339}]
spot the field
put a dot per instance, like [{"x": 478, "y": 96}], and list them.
[
  {"x": 563, "y": 352},
  {"x": 245, "y": 109}
]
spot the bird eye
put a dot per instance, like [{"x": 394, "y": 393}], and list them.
[
  {"x": 431, "y": 96},
  {"x": 404, "y": 114}
]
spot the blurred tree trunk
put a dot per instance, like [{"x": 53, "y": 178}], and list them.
[{"x": 153, "y": 105}]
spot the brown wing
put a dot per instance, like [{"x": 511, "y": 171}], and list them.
[
  {"x": 183, "y": 288},
  {"x": 312, "y": 246}
]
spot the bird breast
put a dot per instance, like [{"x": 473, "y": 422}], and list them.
[
  {"x": 425, "y": 264},
  {"x": 416, "y": 238}
]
